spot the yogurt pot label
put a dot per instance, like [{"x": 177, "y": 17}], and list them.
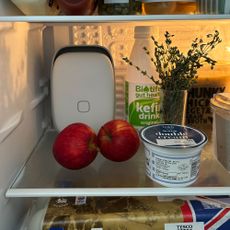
[
  {"x": 175, "y": 142},
  {"x": 172, "y": 170}
]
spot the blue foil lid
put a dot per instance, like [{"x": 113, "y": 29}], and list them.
[{"x": 173, "y": 136}]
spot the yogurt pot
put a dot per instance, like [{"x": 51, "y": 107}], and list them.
[
  {"x": 172, "y": 153},
  {"x": 220, "y": 104}
]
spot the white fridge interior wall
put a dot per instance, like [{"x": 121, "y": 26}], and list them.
[
  {"x": 7, "y": 8},
  {"x": 22, "y": 89},
  {"x": 119, "y": 38},
  {"x": 26, "y": 55}
]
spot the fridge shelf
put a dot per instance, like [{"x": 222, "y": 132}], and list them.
[
  {"x": 108, "y": 18},
  {"x": 42, "y": 176}
]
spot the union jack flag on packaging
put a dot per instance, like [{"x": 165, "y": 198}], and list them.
[{"x": 214, "y": 212}]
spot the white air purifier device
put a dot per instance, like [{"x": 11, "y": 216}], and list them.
[{"x": 82, "y": 86}]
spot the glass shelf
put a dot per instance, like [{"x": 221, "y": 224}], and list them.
[
  {"x": 107, "y": 18},
  {"x": 42, "y": 176},
  {"x": 11, "y": 13}
]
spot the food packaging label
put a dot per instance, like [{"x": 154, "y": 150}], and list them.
[
  {"x": 173, "y": 135},
  {"x": 185, "y": 226},
  {"x": 135, "y": 213}
]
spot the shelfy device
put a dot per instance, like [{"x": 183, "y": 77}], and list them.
[{"x": 75, "y": 92}]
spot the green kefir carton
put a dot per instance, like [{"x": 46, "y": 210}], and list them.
[{"x": 142, "y": 99}]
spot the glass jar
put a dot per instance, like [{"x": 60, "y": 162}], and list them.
[
  {"x": 169, "y": 7},
  {"x": 173, "y": 104},
  {"x": 119, "y": 7},
  {"x": 77, "y": 7}
]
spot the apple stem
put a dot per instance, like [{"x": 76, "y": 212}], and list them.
[
  {"x": 92, "y": 145},
  {"x": 108, "y": 134}
]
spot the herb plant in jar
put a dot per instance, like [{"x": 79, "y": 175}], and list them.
[{"x": 177, "y": 72}]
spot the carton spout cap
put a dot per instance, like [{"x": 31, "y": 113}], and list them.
[{"x": 142, "y": 31}]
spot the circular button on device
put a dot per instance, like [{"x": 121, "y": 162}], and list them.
[{"x": 83, "y": 106}]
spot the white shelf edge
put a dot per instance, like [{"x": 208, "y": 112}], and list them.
[
  {"x": 68, "y": 192},
  {"x": 109, "y": 18}
]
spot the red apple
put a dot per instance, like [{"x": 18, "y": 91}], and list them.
[
  {"x": 118, "y": 140},
  {"x": 75, "y": 146}
]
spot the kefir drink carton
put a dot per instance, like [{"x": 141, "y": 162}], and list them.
[{"x": 142, "y": 100}]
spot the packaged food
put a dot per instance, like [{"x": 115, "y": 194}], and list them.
[
  {"x": 169, "y": 7},
  {"x": 172, "y": 153},
  {"x": 209, "y": 82},
  {"x": 213, "y": 6},
  {"x": 77, "y": 7},
  {"x": 132, "y": 213},
  {"x": 220, "y": 104},
  {"x": 119, "y": 7}
]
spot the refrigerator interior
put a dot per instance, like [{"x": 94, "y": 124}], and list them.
[{"x": 26, "y": 51}]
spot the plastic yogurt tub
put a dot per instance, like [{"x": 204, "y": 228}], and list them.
[
  {"x": 220, "y": 104},
  {"x": 172, "y": 153}
]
